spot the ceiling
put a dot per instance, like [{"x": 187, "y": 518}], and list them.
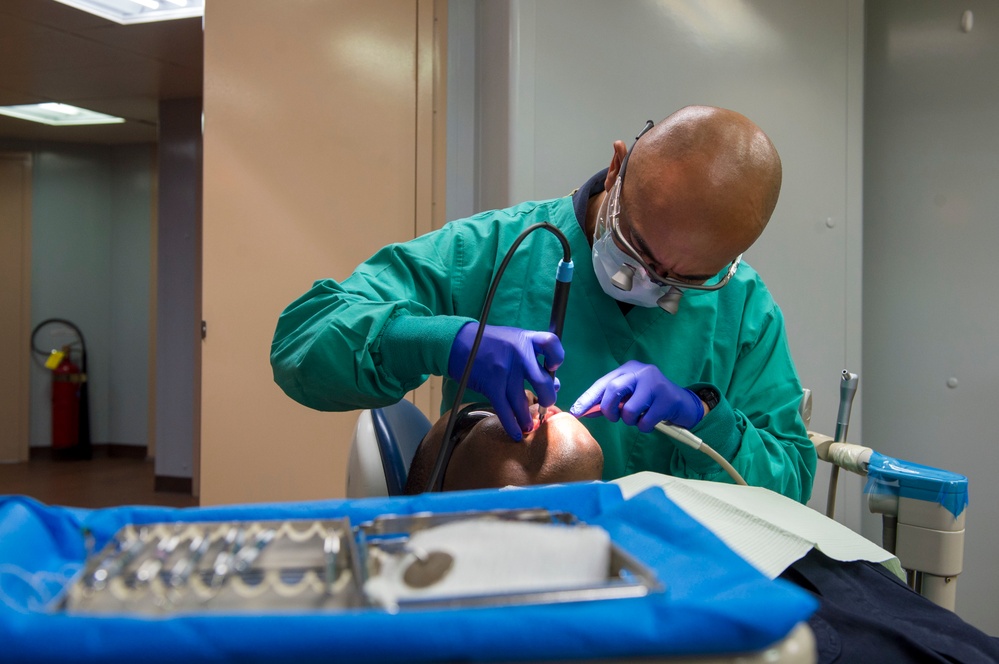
[{"x": 53, "y": 52}]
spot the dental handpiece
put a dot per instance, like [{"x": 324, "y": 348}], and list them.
[
  {"x": 847, "y": 391},
  {"x": 560, "y": 301}
]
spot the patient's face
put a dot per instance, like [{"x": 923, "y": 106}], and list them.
[{"x": 560, "y": 450}]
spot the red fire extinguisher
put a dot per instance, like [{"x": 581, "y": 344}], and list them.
[
  {"x": 67, "y": 382},
  {"x": 70, "y": 402}
]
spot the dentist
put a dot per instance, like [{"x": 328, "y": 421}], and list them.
[{"x": 665, "y": 321}]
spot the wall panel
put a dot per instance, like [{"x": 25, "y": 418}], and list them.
[{"x": 560, "y": 80}]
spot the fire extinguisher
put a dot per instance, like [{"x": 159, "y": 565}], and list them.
[
  {"x": 70, "y": 402},
  {"x": 67, "y": 380}
]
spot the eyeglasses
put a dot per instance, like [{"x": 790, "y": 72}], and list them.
[
  {"x": 614, "y": 217},
  {"x": 465, "y": 421},
  {"x": 468, "y": 417}
]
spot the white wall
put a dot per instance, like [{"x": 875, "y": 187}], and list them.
[
  {"x": 931, "y": 191},
  {"x": 128, "y": 380},
  {"x": 559, "y": 80},
  {"x": 90, "y": 265}
]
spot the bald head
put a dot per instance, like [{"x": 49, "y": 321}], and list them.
[
  {"x": 725, "y": 147},
  {"x": 560, "y": 450},
  {"x": 700, "y": 187}
]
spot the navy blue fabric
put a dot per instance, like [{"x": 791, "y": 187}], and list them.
[
  {"x": 713, "y": 601},
  {"x": 399, "y": 428},
  {"x": 867, "y": 615},
  {"x": 581, "y": 197}
]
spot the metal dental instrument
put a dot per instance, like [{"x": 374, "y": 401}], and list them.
[
  {"x": 847, "y": 391},
  {"x": 249, "y": 554},
  {"x": 115, "y": 563},
  {"x": 151, "y": 567},
  {"x": 331, "y": 549},
  {"x": 224, "y": 560},
  {"x": 563, "y": 279},
  {"x": 183, "y": 568}
]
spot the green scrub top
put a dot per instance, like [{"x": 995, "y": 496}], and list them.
[{"x": 365, "y": 342}]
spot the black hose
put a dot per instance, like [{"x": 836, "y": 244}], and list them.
[{"x": 447, "y": 444}]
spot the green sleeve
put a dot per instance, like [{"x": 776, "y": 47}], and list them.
[
  {"x": 757, "y": 425},
  {"x": 366, "y": 341}
]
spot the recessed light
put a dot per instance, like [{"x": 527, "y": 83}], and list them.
[
  {"x": 58, "y": 115},
  {"x": 127, "y": 12}
]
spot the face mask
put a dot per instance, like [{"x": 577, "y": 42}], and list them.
[{"x": 609, "y": 260}]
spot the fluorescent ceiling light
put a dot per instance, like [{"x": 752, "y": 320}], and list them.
[
  {"x": 139, "y": 11},
  {"x": 58, "y": 115}
]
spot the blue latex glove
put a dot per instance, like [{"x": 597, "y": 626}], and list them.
[
  {"x": 642, "y": 396},
  {"x": 508, "y": 356}
]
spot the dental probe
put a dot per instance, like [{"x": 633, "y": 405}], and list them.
[{"x": 563, "y": 279}]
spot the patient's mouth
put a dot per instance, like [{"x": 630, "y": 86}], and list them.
[{"x": 552, "y": 410}]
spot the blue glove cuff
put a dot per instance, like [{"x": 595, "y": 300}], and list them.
[{"x": 461, "y": 347}]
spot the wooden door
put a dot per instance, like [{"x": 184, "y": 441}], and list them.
[{"x": 317, "y": 149}]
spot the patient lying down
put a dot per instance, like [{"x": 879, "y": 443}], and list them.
[
  {"x": 866, "y": 613},
  {"x": 560, "y": 450}
]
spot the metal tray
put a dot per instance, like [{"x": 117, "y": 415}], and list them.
[
  {"x": 307, "y": 564},
  {"x": 389, "y": 536},
  {"x": 230, "y": 566}
]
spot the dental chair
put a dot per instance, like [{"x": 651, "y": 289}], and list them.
[
  {"x": 384, "y": 443},
  {"x": 923, "y": 509}
]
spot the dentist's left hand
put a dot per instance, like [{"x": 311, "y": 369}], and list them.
[
  {"x": 642, "y": 396},
  {"x": 507, "y": 356}
]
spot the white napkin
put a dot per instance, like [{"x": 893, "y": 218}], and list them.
[
  {"x": 494, "y": 557},
  {"x": 769, "y": 530}
]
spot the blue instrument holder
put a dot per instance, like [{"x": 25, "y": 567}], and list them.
[{"x": 894, "y": 477}]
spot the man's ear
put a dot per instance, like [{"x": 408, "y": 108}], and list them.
[{"x": 620, "y": 152}]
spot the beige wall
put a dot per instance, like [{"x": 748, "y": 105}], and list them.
[
  {"x": 15, "y": 292},
  {"x": 318, "y": 143}
]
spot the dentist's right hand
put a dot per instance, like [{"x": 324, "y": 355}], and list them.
[{"x": 507, "y": 356}]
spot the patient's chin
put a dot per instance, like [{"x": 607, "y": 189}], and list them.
[{"x": 565, "y": 426}]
